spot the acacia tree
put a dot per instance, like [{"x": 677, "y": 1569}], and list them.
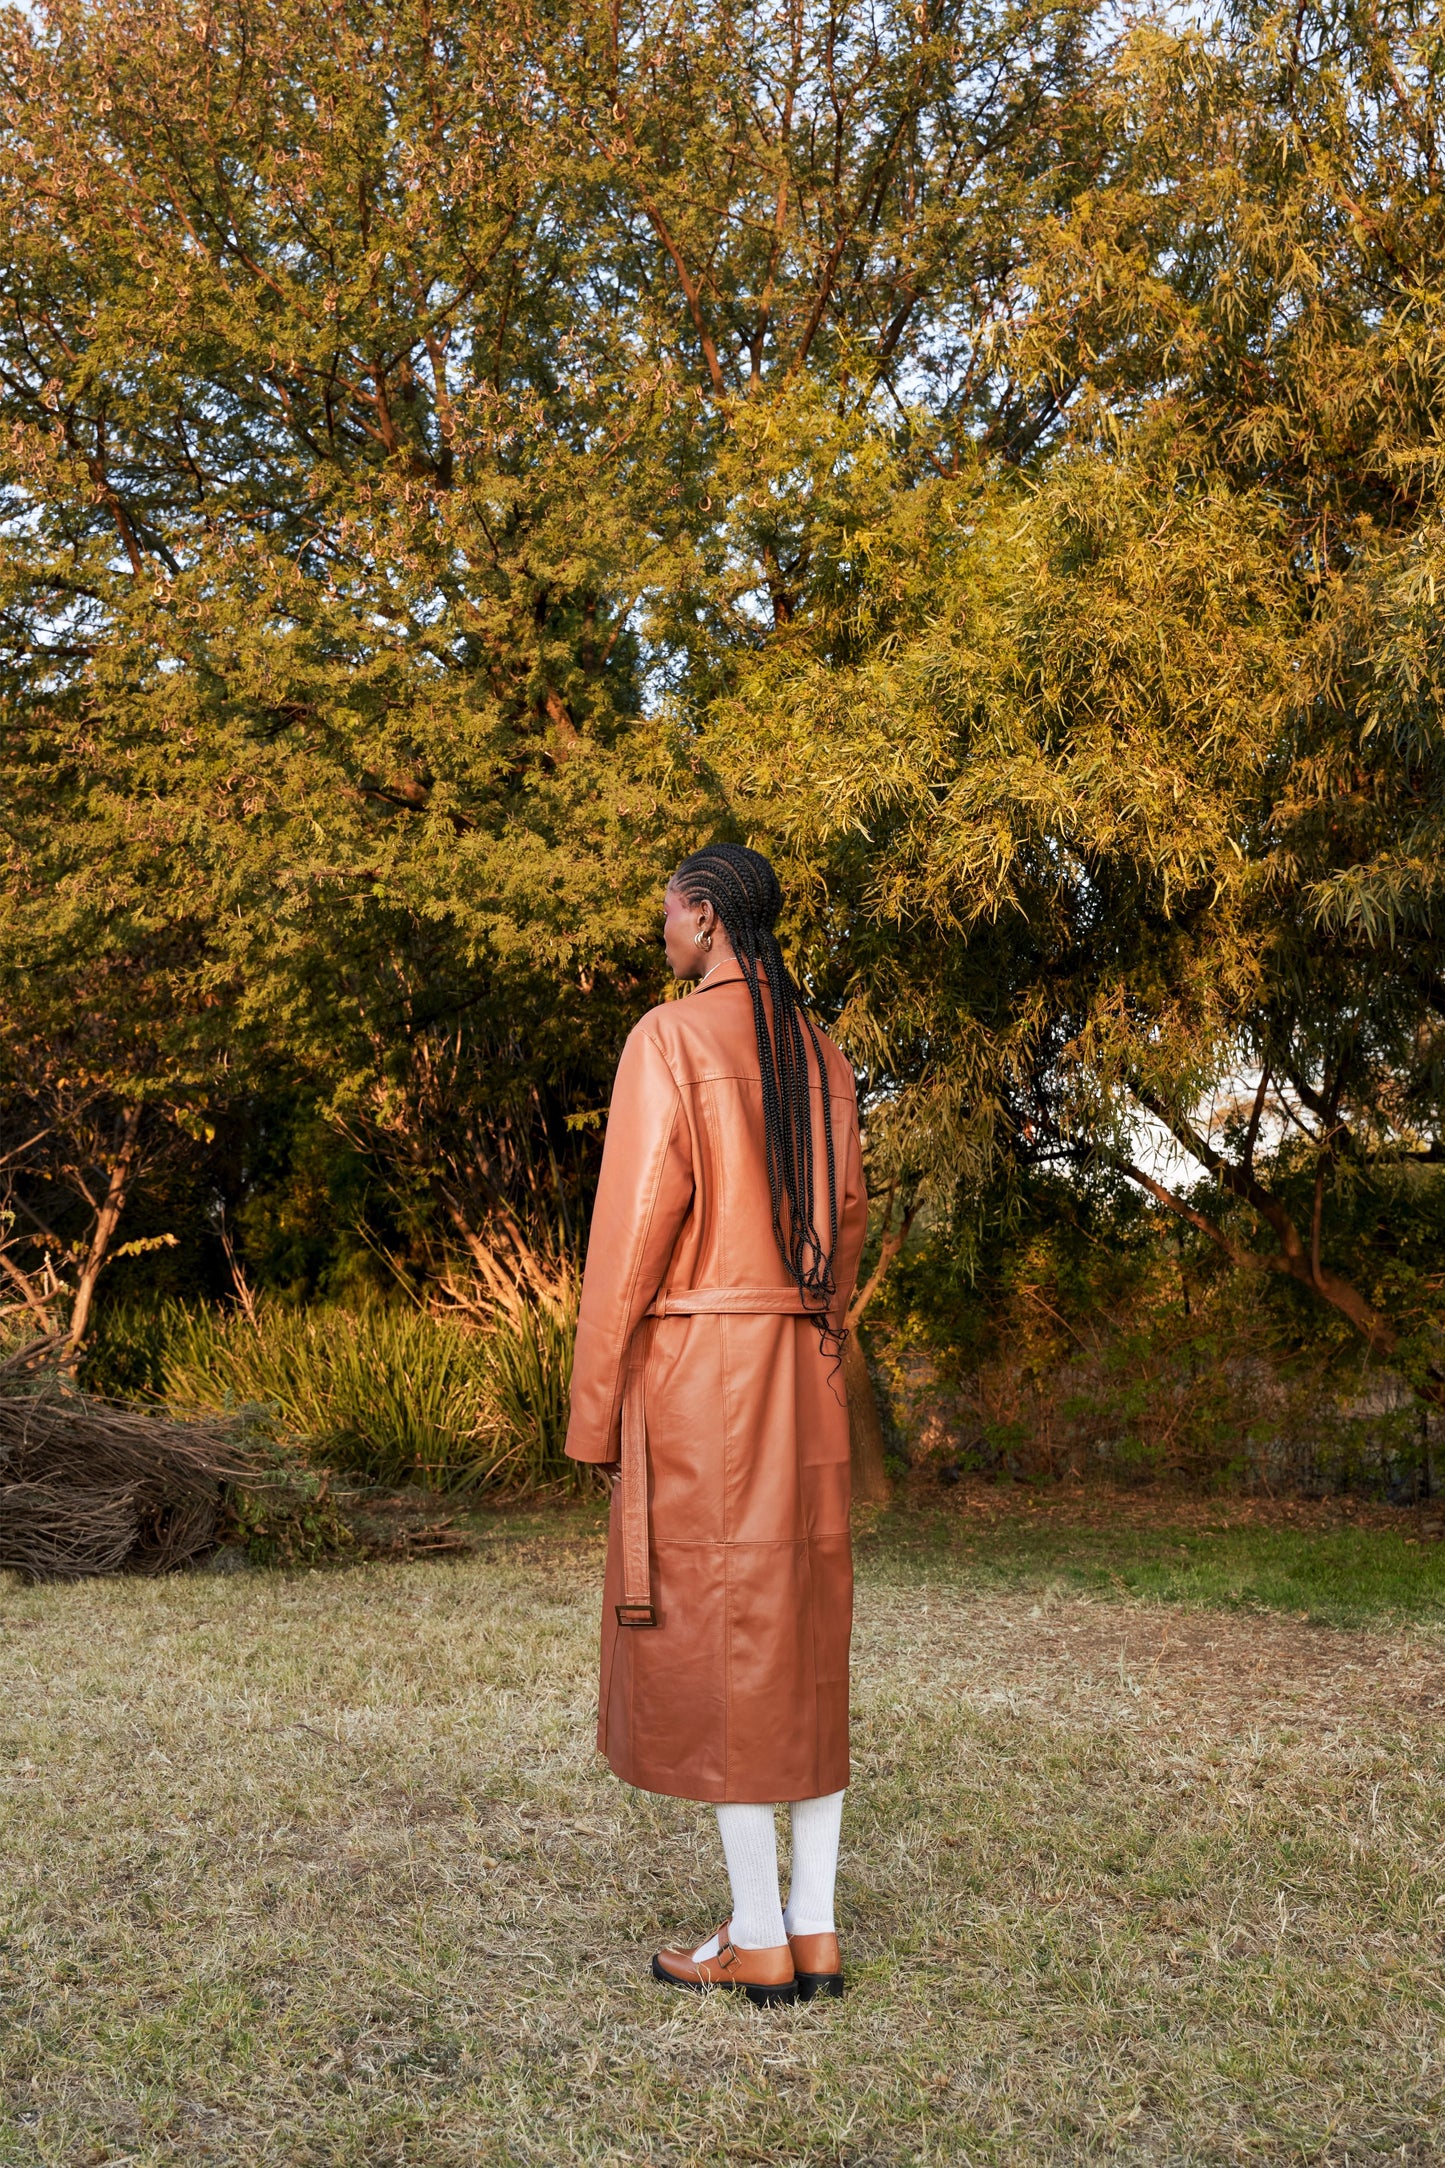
[
  {"x": 394, "y": 396},
  {"x": 1137, "y": 785}
]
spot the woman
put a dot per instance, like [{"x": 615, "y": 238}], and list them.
[{"x": 724, "y": 1246}]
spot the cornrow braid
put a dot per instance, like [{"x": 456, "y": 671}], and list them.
[{"x": 743, "y": 889}]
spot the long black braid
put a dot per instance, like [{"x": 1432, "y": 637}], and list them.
[{"x": 743, "y": 890}]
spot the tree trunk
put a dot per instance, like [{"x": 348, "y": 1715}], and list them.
[
  {"x": 128, "y": 1131},
  {"x": 865, "y": 1428}
]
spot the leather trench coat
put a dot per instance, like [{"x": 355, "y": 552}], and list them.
[{"x": 729, "y": 1539}]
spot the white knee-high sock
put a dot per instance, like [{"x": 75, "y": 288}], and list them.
[
  {"x": 816, "y": 1825},
  {"x": 750, "y": 1846}
]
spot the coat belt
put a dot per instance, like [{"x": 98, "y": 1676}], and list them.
[
  {"x": 729, "y": 1301},
  {"x": 636, "y": 1607}
]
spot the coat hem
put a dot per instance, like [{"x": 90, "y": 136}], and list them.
[{"x": 724, "y": 1796}]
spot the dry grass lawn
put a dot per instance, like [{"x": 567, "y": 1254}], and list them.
[{"x": 321, "y": 1869}]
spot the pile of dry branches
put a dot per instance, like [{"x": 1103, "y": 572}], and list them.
[{"x": 89, "y": 1488}]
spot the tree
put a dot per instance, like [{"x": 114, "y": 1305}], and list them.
[
  {"x": 393, "y": 397},
  {"x": 1136, "y": 788},
  {"x": 411, "y": 411},
  {"x": 456, "y": 459},
  {"x": 70, "y": 1159}
]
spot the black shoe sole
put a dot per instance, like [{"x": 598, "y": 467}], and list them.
[
  {"x": 765, "y": 1998},
  {"x": 811, "y": 1984}
]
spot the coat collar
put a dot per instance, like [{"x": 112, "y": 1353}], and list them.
[{"x": 727, "y": 973}]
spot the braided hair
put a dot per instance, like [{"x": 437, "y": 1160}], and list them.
[{"x": 743, "y": 889}]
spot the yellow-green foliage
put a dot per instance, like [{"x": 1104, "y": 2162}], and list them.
[
  {"x": 1119, "y": 784},
  {"x": 391, "y": 1393},
  {"x": 989, "y": 454}
]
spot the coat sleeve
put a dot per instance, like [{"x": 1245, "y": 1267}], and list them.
[
  {"x": 644, "y": 1194},
  {"x": 852, "y": 1217}
]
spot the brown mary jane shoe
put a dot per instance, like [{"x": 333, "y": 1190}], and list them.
[
  {"x": 765, "y": 1976},
  {"x": 817, "y": 1965}
]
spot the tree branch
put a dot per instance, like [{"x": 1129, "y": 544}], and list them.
[
  {"x": 893, "y": 1241},
  {"x": 1252, "y": 1133}
]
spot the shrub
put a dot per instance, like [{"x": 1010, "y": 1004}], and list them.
[
  {"x": 397, "y": 1395},
  {"x": 1094, "y": 1337}
]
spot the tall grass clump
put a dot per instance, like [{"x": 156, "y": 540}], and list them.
[{"x": 395, "y": 1394}]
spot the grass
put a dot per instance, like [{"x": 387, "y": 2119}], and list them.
[
  {"x": 385, "y": 1390},
  {"x": 321, "y": 1869},
  {"x": 1332, "y": 1577}
]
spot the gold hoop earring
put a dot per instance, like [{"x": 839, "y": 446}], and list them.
[{"x": 702, "y": 940}]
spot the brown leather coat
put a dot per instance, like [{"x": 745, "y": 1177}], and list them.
[{"x": 739, "y": 1691}]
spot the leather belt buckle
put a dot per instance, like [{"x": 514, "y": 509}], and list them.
[{"x": 636, "y": 1614}]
